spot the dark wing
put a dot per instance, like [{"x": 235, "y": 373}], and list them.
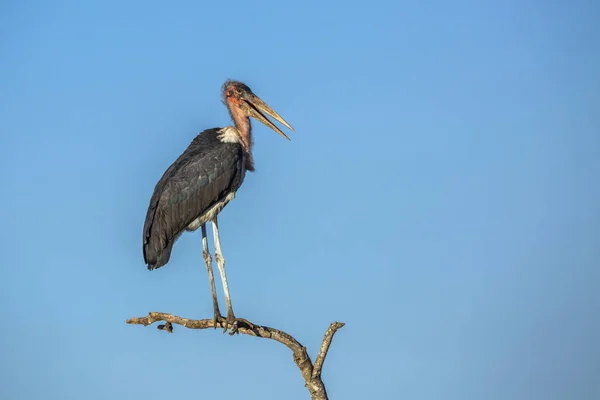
[{"x": 205, "y": 173}]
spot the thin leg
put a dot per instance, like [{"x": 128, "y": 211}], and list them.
[
  {"x": 221, "y": 265},
  {"x": 211, "y": 277}
]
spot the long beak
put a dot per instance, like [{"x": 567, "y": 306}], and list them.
[{"x": 257, "y": 105}]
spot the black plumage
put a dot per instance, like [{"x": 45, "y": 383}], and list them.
[{"x": 206, "y": 172}]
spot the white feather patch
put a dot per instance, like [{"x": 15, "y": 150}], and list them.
[{"x": 230, "y": 134}]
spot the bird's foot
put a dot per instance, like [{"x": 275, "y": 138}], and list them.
[
  {"x": 230, "y": 323},
  {"x": 233, "y": 323}
]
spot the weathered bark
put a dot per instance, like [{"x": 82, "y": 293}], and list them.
[{"x": 310, "y": 372}]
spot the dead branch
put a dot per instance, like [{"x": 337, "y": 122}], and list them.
[{"x": 310, "y": 373}]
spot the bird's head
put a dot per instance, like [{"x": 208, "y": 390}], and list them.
[{"x": 242, "y": 102}]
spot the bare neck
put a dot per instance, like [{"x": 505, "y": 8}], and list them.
[{"x": 242, "y": 123}]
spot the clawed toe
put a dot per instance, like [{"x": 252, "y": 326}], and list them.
[
  {"x": 217, "y": 319},
  {"x": 230, "y": 323}
]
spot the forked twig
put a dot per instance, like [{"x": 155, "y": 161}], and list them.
[{"x": 310, "y": 373}]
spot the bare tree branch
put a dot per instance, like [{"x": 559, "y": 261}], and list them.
[
  {"x": 325, "y": 348},
  {"x": 311, "y": 375}
]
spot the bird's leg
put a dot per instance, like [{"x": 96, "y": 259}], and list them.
[
  {"x": 211, "y": 277},
  {"x": 221, "y": 264}
]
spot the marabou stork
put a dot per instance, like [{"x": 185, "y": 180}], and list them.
[{"x": 197, "y": 186}]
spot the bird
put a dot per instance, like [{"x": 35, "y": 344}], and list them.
[{"x": 201, "y": 182}]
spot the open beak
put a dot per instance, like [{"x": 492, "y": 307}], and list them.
[{"x": 256, "y": 109}]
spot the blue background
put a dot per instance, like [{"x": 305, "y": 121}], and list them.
[{"x": 440, "y": 196}]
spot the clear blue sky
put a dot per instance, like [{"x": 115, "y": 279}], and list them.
[{"x": 440, "y": 196}]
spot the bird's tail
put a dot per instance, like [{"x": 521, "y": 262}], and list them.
[{"x": 156, "y": 256}]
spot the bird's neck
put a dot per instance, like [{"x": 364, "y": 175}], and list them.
[{"x": 242, "y": 123}]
